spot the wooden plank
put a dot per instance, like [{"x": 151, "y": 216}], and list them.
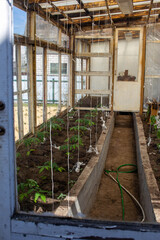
[
  {"x": 34, "y": 75},
  {"x": 93, "y": 73},
  {"x": 153, "y": 41},
  {"x": 93, "y": 54},
  {"x": 72, "y": 73},
  {"x": 18, "y": 39},
  {"x": 113, "y": 69},
  {"x": 91, "y": 108},
  {"x": 152, "y": 76},
  {"x": 150, "y": 8},
  {"x": 96, "y": 92},
  {"x": 143, "y": 70},
  {"x": 45, "y": 85},
  {"x": 59, "y": 81},
  {"x": 92, "y": 37},
  {"x": 19, "y": 87}
]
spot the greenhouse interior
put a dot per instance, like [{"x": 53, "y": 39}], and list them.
[{"x": 80, "y": 119}]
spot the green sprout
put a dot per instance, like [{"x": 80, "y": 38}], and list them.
[{"x": 47, "y": 166}]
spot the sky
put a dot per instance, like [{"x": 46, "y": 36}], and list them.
[{"x": 19, "y": 21}]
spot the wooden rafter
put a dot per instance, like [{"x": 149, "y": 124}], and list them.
[
  {"x": 64, "y": 14},
  {"x": 150, "y": 8},
  {"x": 85, "y": 9},
  {"x": 108, "y": 11}
]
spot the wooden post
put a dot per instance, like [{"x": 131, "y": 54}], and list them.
[
  {"x": 31, "y": 76},
  {"x": 34, "y": 76},
  {"x": 45, "y": 85},
  {"x": 143, "y": 70},
  {"x": 60, "y": 82},
  {"x": 72, "y": 74},
  {"x": 113, "y": 69},
  {"x": 88, "y": 69},
  {"x": 19, "y": 88}
]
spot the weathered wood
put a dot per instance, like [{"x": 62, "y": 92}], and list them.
[
  {"x": 150, "y": 8},
  {"x": 59, "y": 81},
  {"x": 19, "y": 97},
  {"x": 18, "y": 39},
  {"x": 113, "y": 69},
  {"x": 45, "y": 85},
  {"x": 92, "y": 54},
  {"x": 143, "y": 70},
  {"x": 96, "y": 92},
  {"x": 93, "y": 36},
  {"x": 152, "y": 76},
  {"x": 72, "y": 73},
  {"x": 93, "y": 73},
  {"x": 91, "y": 108}
]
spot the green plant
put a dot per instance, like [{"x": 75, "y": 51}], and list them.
[
  {"x": 29, "y": 152},
  {"x": 28, "y": 142},
  {"x": 82, "y": 129},
  {"x": 153, "y": 120},
  {"x": 18, "y": 155},
  {"x": 158, "y": 133},
  {"x": 93, "y": 113},
  {"x": 71, "y": 183},
  {"x": 61, "y": 196},
  {"x": 41, "y": 135},
  {"x": 85, "y": 122},
  {"x": 158, "y": 146},
  {"x": 30, "y": 187},
  {"x": 47, "y": 166}
]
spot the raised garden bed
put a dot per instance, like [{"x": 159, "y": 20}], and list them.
[
  {"x": 34, "y": 159},
  {"x": 152, "y": 146}
]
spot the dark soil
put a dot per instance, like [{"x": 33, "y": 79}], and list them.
[
  {"x": 122, "y": 150},
  {"x": 27, "y": 166},
  {"x": 153, "y": 151}
]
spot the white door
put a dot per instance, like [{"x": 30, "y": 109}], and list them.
[{"x": 128, "y": 64}]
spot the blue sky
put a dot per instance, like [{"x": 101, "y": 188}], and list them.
[{"x": 19, "y": 20}]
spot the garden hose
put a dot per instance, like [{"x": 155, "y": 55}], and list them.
[{"x": 121, "y": 187}]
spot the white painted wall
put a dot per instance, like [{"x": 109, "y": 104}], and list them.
[{"x": 99, "y": 64}]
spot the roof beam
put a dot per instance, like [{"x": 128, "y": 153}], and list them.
[
  {"x": 108, "y": 11},
  {"x": 85, "y": 9},
  {"x": 64, "y": 14},
  {"x": 150, "y": 8}
]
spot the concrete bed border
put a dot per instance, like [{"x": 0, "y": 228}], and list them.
[
  {"x": 84, "y": 191},
  {"x": 149, "y": 191}
]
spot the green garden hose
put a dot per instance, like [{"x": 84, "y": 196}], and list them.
[{"x": 121, "y": 187}]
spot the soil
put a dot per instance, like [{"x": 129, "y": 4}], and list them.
[
  {"x": 153, "y": 151},
  {"x": 122, "y": 150},
  {"x": 27, "y": 166}
]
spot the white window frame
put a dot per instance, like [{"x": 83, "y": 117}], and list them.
[{"x": 21, "y": 226}]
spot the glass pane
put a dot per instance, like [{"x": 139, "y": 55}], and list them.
[
  {"x": 20, "y": 21},
  {"x": 52, "y": 83},
  {"x": 24, "y": 68},
  {"x": 39, "y": 84},
  {"x": 128, "y": 55},
  {"x": 25, "y": 113}
]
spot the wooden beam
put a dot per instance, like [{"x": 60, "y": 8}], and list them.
[
  {"x": 19, "y": 88},
  {"x": 108, "y": 11},
  {"x": 143, "y": 70},
  {"x": 91, "y": 108},
  {"x": 93, "y": 54},
  {"x": 72, "y": 73},
  {"x": 64, "y": 14},
  {"x": 150, "y": 8},
  {"x": 59, "y": 81},
  {"x": 113, "y": 69},
  {"x": 96, "y": 92},
  {"x": 45, "y": 85},
  {"x": 93, "y": 36},
  {"x": 93, "y": 73},
  {"x": 22, "y": 40}
]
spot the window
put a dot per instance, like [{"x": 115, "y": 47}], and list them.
[{"x": 54, "y": 68}]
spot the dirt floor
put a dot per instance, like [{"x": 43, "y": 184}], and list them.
[
  {"x": 121, "y": 151},
  {"x": 29, "y": 160}
]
